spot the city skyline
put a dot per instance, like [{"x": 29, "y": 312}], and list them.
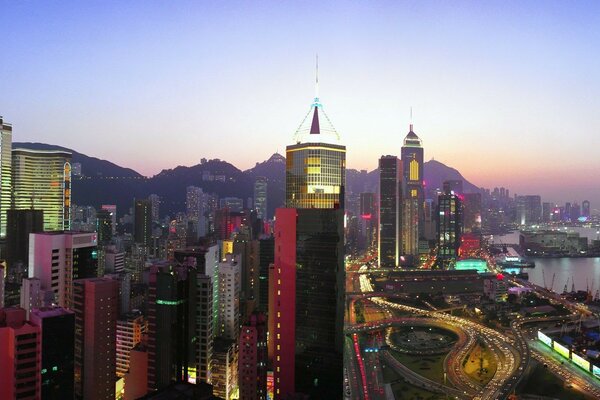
[{"x": 494, "y": 81}]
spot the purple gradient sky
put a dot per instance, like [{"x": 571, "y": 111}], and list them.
[{"x": 506, "y": 92}]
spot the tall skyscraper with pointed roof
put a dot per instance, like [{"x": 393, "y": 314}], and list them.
[
  {"x": 316, "y": 164},
  {"x": 307, "y": 290},
  {"x": 413, "y": 194}
]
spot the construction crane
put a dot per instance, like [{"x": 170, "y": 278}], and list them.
[
  {"x": 572, "y": 284},
  {"x": 552, "y": 285},
  {"x": 566, "y": 286},
  {"x": 544, "y": 279}
]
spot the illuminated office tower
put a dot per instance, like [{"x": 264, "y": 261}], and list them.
[
  {"x": 224, "y": 377},
  {"x": 529, "y": 209},
  {"x": 5, "y": 173},
  {"x": 308, "y": 307},
  {"x": 316, "y": 164},
  {"x": 59, "y": 258},
  {"x": 20, "y": 356},
  {"x": 41, "y": 180},
  {"x": 142, "y": 222},
  {"x": 413, "y": 195},
  {"x": 585, "y": 208},
  {"x": 260, "y": 197},
  {"x": 58, "y": 346},
  {"x": 390, "y": 200},
  {"x": 95, "y": 302},
  {"x": 450, "y": 229},
  {"x": 472, "y": 212}
]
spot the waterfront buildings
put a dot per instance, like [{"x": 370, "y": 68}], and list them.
[
  {"x": 41, "y": 180},
  {"x": 390, "y": 202},
  {"x": 529, "y": 209}
]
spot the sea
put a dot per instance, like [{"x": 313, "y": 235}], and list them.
[{"x": 584, "y": 272}]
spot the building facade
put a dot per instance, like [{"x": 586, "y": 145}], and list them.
[
  {"x": 41, "y": 180},
  {"x": 390, "y": 201}
]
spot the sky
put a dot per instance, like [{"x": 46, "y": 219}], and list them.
[{"x": 506, "y": 92}]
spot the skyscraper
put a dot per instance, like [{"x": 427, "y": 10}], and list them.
[
  {"x": 154, "y": 207},
  {"x": 308, "y": 291},
  {"x": 130, "y": 328},
  {"x": 529, "y": 209},
  {"x": 171, "y": 324},
  {"x": 41, "y": 180},
  {"x": 413, "y": 195},
  {"x": 450, "y": 228},
  {"x": 316, "y": 164},
  {"x": 58, "y": 347},
  {"x": 142, "y": 229},
  {"x": 95, "y": 302},
  {"x": 104, "y": 226},
  {"x": 390, "y": 200},
  {"x": 260, "y": 197},
  {"x": 5, "y": 172},
  {"x": 585, "y": 208}
]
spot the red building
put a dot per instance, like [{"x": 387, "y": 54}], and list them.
[
  {"x": 96, "y": 307},
  {"x": 469, "y": 245},
  {"x": 20, "y": 356},
  {"x": 252, "y": 359}
]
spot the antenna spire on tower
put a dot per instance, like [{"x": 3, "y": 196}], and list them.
[
  {"x": 411, "y": 119},
  {"x": 317, "y": 78}
]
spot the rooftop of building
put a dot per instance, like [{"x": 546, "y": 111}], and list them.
[
  {"x": 184, "y": 391},
  {"x": 48, "y": 312},
  {"x": 63, "y": 153}
]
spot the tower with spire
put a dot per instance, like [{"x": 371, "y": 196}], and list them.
[
  {"x": 316, "y": 163},
  {"x": 413, "y": 194}
]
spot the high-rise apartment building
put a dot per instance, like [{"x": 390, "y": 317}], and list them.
[
  {"x": 5, "y": 173},
  {"x": 31, "y": 295},
  {"x": 224, "y": 377},
  {"x": 252, "y": 358},
  {"x": 154, "y": 207},
  {"x": 390, "y": 217},
  {"x": 230, "y": 285},
  {"x": 41, "y": 180},
  {"x": 59, "y": 258},
  {"x": 130, "y": 328},
  {"x": 58, "y": 351},
  {"x": 95, "y": 302},
  {"x": 308, "y": 292},
  {"x": 260, "y": 197},
  {"x": 20, "y": 223},
  {"x": 20, "y": 356},
  {"x": 142, "y": 222}
]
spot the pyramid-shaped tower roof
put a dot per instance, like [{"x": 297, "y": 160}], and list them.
[
  {"x": 316, "y": 126},
  {"x": 411, "y": 139}
]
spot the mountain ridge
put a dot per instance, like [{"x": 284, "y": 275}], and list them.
[{"x": 103, "y": 182}]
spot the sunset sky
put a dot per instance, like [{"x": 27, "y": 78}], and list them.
[{"x": 506, "y": 92}]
